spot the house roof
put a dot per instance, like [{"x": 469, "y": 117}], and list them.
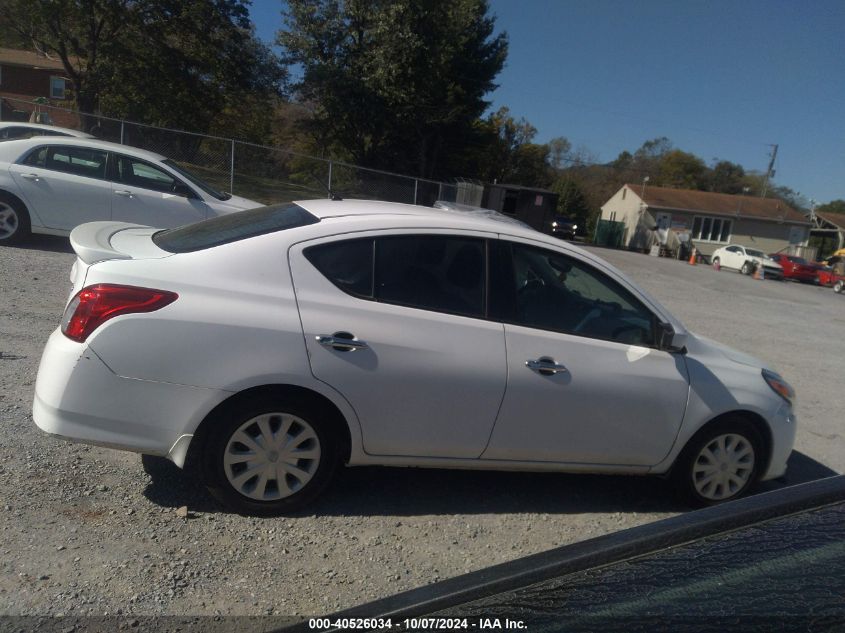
[
  {"x": 837, "y": 219},
  {"x": 718, "y": 203},
  {"x": 15, "y": 57}
]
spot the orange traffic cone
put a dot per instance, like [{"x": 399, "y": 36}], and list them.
[
  {"x": 716, "y": 265},
  {"x": 692, "y": 258},
  {"x": 758, "y": 272}
]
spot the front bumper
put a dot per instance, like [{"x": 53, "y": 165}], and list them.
[
  {"x": 783, "y": 427},
  {"x": 78, "y": 398}
]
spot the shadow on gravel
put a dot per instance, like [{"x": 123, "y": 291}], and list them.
[
  {"x": 376, "y": 491},
  {"x": 172, "y": 487},
  {"x": 52, "y": 243}
]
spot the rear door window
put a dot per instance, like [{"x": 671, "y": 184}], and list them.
[
  {"x": 432, "y": 272},
  {"x": 441, "y": 273},
  {"x": 79, "y": 161}
]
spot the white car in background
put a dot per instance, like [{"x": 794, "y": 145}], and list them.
[
  {"x": 53, "y": 184},
  {"x": 273, "y": 345},
  {"x": 11, "y": 131},
  {"x": 746, "y": 260}
]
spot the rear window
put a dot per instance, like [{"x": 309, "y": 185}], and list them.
[{"x": 232, "y": 228}]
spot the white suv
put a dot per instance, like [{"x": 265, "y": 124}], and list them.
[
  {"x": 272, "y": 345},
  {"x": 52, "y": 184}
]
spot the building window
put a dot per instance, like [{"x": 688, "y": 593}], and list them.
[
  {"x": 57, "y": 88},
  {"x": 707, "y": 229}
]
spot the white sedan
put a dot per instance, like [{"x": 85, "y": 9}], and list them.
[
  {"x": 13, "y": 130},
  {"x": 53, "y": 184},
  {"x": 746, "y": 260},
  {"x": 271, "y": 346}
]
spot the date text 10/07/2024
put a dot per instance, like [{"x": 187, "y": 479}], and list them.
[{"x": 415, "y": 624}]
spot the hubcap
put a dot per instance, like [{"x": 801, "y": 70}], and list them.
[
  {"x": 723, "y": 467},
  {"x": 8, "y": 221},
  {"x": 271, "y": 456}
]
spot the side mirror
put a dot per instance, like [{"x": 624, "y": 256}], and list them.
[
  {"x": 669, "y": 340},
  {"x": 181, "y": 189}
]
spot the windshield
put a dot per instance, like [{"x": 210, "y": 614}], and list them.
[{"x": 196, "y": 181}]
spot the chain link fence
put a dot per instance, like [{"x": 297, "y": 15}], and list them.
[{"x": 259, "y": 172}]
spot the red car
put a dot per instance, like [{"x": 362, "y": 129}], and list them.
[
  {"x": 827, "y": 275},
  {"x": 795, "y": 267}
]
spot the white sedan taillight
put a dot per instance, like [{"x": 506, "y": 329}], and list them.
[{"x": 94, "y": 305}]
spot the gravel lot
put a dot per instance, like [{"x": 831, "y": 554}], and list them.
[{"x": 90, "y": 531}]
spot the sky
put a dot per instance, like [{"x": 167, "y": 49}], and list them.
[{"x": 723, "y": 80}]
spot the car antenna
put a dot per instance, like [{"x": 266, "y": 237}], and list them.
[{"x": 332, "y": 195}]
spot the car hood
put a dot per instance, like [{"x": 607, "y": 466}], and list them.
[
  {"x": 233, "y": 204},
  {"x": 702, "y": 347}
]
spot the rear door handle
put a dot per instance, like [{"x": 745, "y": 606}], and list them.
[
  {"x": 545, "y": 366},
  {"x": 341, "y": 342},
  {"x": 34, "y": 177},
  {"x": 123, "y": 192}
]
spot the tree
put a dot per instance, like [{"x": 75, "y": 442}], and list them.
[
  {"x": 571, "y": 201},
  {"x": 170, "y": 62},
  {"x": 398, "y": 84},
  {"x": 680, "y": 169},
  {"x": 559, "y": 152},
  {"x": 726, "y": 177},
  {"x": 834, "y": 206}
]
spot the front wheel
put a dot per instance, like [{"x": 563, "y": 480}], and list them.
[
  {"x": 720, "y": 463},
  {"x": 269, "y": 457},
  {"x": 747, "y": 268}
]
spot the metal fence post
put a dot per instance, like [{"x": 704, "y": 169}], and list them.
[
  {"x": 416, "y": 184},
  {"x": 232, "y": 169},
  {"x": 122, "y": 123},
  {"x": 329, "y": 192},
  {"x": 440, "y": 191}
]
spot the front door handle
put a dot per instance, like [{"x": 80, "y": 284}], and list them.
[
  {"x": 34, "y": 177},
  {"x": 341, "y": 342},
  {"x": 123, "y": 192},
  {"x": 545, "y": 366}
]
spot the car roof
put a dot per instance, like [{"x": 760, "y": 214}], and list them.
[
  {"x": 50, "y": 128},
  {"x": 459, "y": 217},
  {"x": 14, "y": 148}
]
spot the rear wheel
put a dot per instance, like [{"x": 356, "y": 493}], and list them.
[
  {"x": 14, "y": 221},
  {"x": 270, "y": 456},
  {"x": 839, "y": 286},
  {"x": 720, "y": 463}
]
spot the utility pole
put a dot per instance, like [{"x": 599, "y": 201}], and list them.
[{"x": 770, "y": 172}]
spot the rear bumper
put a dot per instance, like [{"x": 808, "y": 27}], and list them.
[{"x": 78, "y": 398}]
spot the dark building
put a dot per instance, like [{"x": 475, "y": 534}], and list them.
[{"x": 535, "y": 207}]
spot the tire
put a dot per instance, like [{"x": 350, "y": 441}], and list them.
[
  {"x": 14, "y": 220},
  {"x": 280, "y": 482},
  {"x": 839, "y": 286},
  {"x": 717, "y": 263},
  {"x": 728, "y": 453},
  {"x": 747, "y": 268}
]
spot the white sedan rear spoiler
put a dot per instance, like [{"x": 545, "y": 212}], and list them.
[{"x": 92, "y": 241}]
